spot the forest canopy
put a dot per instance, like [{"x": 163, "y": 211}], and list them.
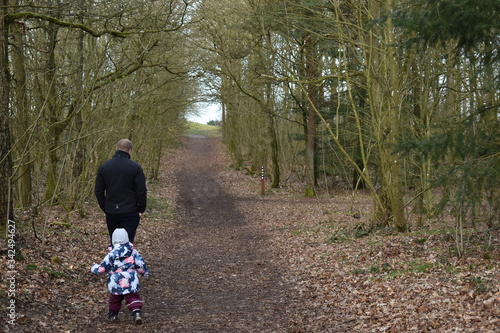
[{"x": 398, "y": 98}]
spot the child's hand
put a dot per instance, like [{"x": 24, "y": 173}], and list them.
[
  {"x": 98, "y": 269},
  {"x": 95, "y": 268}
]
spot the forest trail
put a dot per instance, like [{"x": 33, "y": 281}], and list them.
[
  {"x": 213, "y": 264},
  {"x": 235, "y": 261},
  {"x": 224, "y": 258},
  {"x": 219, "y": 274}
]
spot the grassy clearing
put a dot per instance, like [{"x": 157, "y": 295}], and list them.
[{"x": 201, "y": 129}]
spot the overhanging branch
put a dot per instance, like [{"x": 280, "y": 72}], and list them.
[{"x": 23, "y": 15}]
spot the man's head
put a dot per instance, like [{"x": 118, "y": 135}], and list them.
[{"x": 124, "y": 145}]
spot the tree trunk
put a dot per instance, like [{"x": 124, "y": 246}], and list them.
[
  {"x": 54, "y": 120},
  {"x": 394, "y": 161},
  {"x": 6, "y": 211},
  {"x": 78, "y": 150},
  {"x": 274, "y": 152},
  {"x": 21, "y": 126},
  {"x": 312, "y": 92},
  {"x": 384, "y": 93}
]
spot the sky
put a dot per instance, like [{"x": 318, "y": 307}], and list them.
[{"x": 206, "y": 112}]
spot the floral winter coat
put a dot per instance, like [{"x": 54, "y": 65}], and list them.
[{"x": 122, "y": 264}]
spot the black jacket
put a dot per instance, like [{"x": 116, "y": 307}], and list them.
[{"x": 120, "y": 185}]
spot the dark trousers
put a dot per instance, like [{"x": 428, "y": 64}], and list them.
[
  {"x": 133, "y": 302},
  {"x": 127, "y": 221}
]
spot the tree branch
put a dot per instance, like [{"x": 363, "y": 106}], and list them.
[{"x": 14, "y": 16}]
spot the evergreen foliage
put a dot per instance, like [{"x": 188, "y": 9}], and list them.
[
  {"x": 469, "y": 22},
  {"x": 466, "y": 158},
  {"x": 464, "y": 148}
]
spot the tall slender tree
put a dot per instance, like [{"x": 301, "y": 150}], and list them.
[{"x": 6, "y": 205}]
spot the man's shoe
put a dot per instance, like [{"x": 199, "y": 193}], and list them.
[{"x": 137, "y": 317}]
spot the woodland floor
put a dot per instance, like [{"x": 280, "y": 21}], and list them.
[{"x": 224, "y": 258}]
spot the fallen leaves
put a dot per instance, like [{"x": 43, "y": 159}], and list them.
[{"x": 331, "y": 278}]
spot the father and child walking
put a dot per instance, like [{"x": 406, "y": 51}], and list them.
[{"x": 120, "y": 189}]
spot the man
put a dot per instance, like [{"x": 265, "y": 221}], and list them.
[{"x": 120, "y": 189}]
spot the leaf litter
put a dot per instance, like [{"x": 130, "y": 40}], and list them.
[{"x": 224, "y": 258}]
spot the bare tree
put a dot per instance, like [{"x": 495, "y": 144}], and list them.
[
  {"x": 6, "y": 211},
  {"x": 67, "y": 69}
]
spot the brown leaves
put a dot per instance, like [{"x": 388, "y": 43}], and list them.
[
  {"x": 329, "y": 278},
  {"x": 379, "y": 282}
]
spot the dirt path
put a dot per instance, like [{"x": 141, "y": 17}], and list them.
[
  {"x": 218, "y": 272},
  {"x": 214, "y": 260},
  {"x": 226, "y": 259}
]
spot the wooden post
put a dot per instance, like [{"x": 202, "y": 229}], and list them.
[{"x": 262, "y": 187}]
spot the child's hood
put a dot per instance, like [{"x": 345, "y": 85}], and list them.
[
  {"x": 120, "y": 236},
  {"x": 122, "y": 250}
]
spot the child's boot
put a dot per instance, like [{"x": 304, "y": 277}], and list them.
[
  {"x": 137, "y": 317},
  {"x": 113, "y": 316}
]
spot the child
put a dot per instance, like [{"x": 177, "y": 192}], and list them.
[{"x": 123, "y": 263}]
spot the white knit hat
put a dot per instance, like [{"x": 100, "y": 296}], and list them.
[{"x": 120, "y": 236}]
